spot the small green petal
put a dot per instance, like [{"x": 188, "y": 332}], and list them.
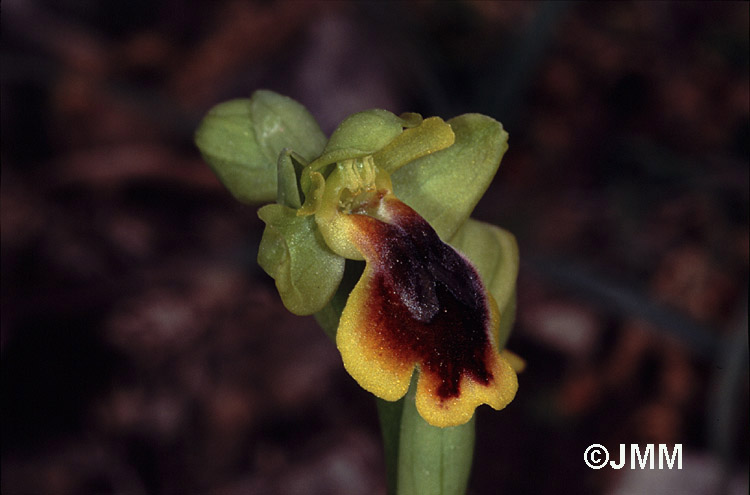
[
  {"x": 494, "y": 253},
  {"x": 227, "y": 142},
  {"x": 313, "y": 193},
  {"x": 432, "y": 135},
  {"x": 293, "y": 252},
  {"x": 445, "y": 186},
  {"x": 241, "y": 141},
  {"x": 290, "y": 165},
  {"x": 280, "y": 122}
]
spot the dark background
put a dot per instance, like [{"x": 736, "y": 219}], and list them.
[{"x": 144, "y": 351}]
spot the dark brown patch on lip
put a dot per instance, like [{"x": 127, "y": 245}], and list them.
[{"x": 427, "y": 301}]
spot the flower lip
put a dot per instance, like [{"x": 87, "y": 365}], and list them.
[
  {"x": 427, "y": 301},
  {"x": 419, "y": 303}
]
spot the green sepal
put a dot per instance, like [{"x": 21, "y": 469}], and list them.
[
  {"x": 445, "y": 186},
  {"x": 432, "y": 460},
  {"x": 241, "y": 140},
  {"x": 289, "y": 169},
  {"x": 293, "y": 252},
  {"x": 280, "y": 122},
  {"x": 494, "y": 253},
  {"x": 227, "y": 143}
]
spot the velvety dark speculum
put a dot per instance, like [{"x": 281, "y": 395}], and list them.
[{"x": 428, "y": 302}]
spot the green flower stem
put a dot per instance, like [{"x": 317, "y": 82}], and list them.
[
  {"x": 431, "y": 460},
  {"x": 390, "y": 414},
  {"x": 422, "y": 459}
]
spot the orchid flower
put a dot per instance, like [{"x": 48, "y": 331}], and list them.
[{"x": 370, "y": 231}]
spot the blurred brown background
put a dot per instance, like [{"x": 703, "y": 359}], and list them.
[{"x": 144, "y": 351}]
